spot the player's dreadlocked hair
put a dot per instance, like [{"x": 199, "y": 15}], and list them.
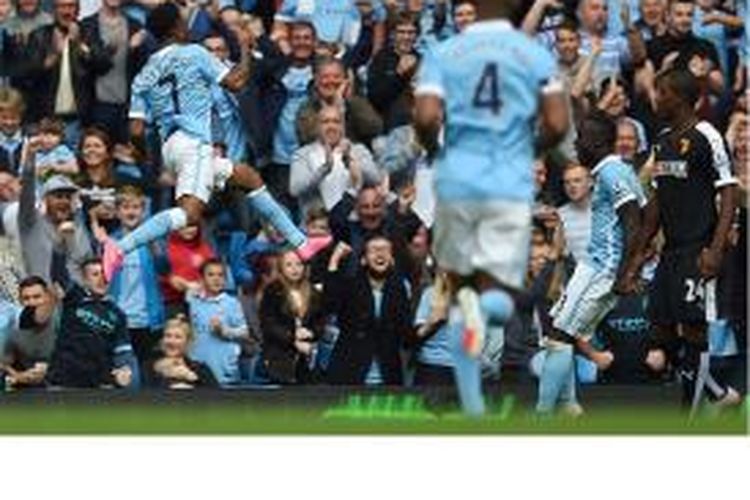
[{"x": 162, "y": 20}]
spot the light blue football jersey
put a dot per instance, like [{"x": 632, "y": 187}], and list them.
[
  {"x": 335, "y": 21},
  {"x": 285, "y": 142},
  {"x": 490, "y": 78},
  {"x": 227, "y": 126},
  {"x": 615, "y": 184},
  {"x": 174, "y": 90}
]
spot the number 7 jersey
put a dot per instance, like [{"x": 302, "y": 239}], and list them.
[
  {"x": 490, "y": 79},
  {"x": 173, "y": 90}
]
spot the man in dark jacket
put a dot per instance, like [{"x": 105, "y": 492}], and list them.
[
  {"x": 373, "y": 317},
  {"x": 391, "y": 74},
  {"x": 93, "y": 346},
  {"x": 269, "y": 105},
  {"x": 119, "y": 46},
  {"x": 55, "y": 70}
]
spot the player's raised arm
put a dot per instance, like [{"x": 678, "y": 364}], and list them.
[
  {"x": 239, "y": 75},
  {"x": 428, "y": 113},
  {"x": 554, "y": 118}
]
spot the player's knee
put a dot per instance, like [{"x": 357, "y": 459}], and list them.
[
  {"x": 193, "y": 208},
  {"x": 497, "y": 304},
  {"x": 656, "y": 360},
  {"x": 247, "y": 177}
]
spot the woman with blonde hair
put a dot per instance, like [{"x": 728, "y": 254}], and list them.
[{"x": 174, "y": 369}]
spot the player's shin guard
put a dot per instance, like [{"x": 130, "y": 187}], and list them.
[
  {"x": 275, "y": 215},
  {"x": 497, "y": 307},
  {"x": 466, "y": 369},
  {"x": 556, "y": 375},
  {"x": 154, "y": 228}
]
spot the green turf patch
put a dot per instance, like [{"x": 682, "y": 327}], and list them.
[{"x": 356, "y": 415}]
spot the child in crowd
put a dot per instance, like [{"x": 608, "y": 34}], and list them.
[
  {"x": 186, "y": 251},
  {"x": 219, "y": 324},
  {"x": 54, "y": 156},
  {"x": 135, "y": 287},
  {"x": 11, "y": 136}
]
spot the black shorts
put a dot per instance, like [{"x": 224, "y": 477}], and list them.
[{"x": 678, "y": 293}]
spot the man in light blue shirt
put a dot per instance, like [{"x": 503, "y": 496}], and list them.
[{"x": 491, "y": 80}]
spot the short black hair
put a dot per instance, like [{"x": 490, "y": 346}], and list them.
[
  {"x": 683, "y": 83},
  {"x": 597, "y": 134},
  {"x": 90, "y": 262},
  {"x": 301, "y": 24},
  {"x": 162, "y": 20},
  {"x": 376, "y": 235},
  {"x": 214, "y": 261},
  {"x": 30, "y": 281}
]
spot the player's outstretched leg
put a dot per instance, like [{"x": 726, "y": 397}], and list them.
[
  {"x": 467, "y": 370},
  {"x": 260, "y": 200},
  {"x": 154, "y": 228},
  {"x": 557, "y": 370},
  {"x": 478, "y": 310}
]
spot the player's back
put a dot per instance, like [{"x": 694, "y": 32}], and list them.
[
  {"x": 174, "y": 90},
  {"x": 491, "y": 78}
]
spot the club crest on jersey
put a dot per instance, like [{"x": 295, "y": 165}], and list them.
[
  {"x": 676, "y": 169},
  {"x": 684, "y": 145}
]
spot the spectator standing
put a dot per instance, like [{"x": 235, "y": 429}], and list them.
[
  {"x": 332, "y": 87},
  {"x": 53, "y": 225},
  {"x": 186, "y": 252},
  {"x": 392, "y": 72},
  {"x": 119, "y": 45},
  {"x": 373, "y": 317},
  {"x": 219, "y": 324},
  {"x": 575, "y": 215},
  {"x": 322, "y": 171},
  {"x": 56, "y": 69},
  {"x": 135, "y": 287},
  {"x": 92, "y": 347},
  {"x": 12, "y": 109},
  {"x": 27, "y": 349},
  {"x": 293, "y": 317}
]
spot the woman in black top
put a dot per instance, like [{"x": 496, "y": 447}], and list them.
[{"x": 174, "y": 369}]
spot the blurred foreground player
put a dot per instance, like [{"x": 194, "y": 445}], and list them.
[{"x": 486, "y": 87}]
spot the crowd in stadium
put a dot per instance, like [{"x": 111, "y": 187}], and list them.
[{"x": 340, "y": 286}]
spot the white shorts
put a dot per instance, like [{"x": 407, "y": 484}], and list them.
[
  {"x": 587, "y": 299},
  {"x": 488, "y": 236},
  {"x": 199, "y": 172}
]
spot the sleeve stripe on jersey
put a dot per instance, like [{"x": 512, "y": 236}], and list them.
[
  {"x": 721, "y": 162},
  {"x": 282, "y": 18},
  {"x": 222, "y": 74},
  {"x": 625, "y": 200},
  {"x": 553, "y": 86},
  {"x": 136, "y": 115},
  {"x": 430, "y": 89},
  {"x": 122, "y": 348},
  {"x": 726, "y": 182}
]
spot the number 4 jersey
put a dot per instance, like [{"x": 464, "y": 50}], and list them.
[
  {"x": 173, "y": 90},
  {"x": 490, "y": 79}
]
